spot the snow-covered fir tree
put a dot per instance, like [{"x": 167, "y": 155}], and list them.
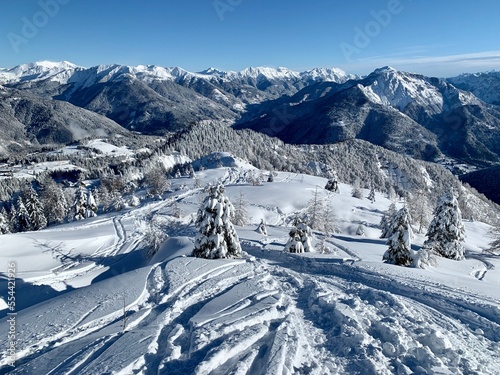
[
  {"x": 270, "y": 177},
  {"x": 329, "y": 220},
  {"x": 176, "y": 210},
  {"x": 21, "y": 221},
  {"x": 399, "y": 252},
  {"x": 91, "y": 206},
  {"x": 12, "y": 218},
  {"x": 4, "y": 224},
  {"x": 333, "y": 183},
  {"x": 262, "y": 229},
  {"x": 294, "y": 244},
  {"x": 371, "y": 195},
  {"x": 361, "y": 230},
  {"x": 155, "y": 179},
  {"x": 216, "y": 237},
  {"x": 80, "y": 204},
  {"x": 386, "y": 221},
  {"x": 300, "y": 239},
  {"x": 54, "y": 202},
  {"x": 446, "y": 233},
  {"x": 35, "y": 209},
  {"x": 197, "y": 182}
]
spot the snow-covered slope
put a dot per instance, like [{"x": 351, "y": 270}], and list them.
[
  {"x": 89, "y": 302},
  {"x": 62, "y": 71},
  {"x": 43, "y": 70},
  {"x": 485, "y": 86},
  {"x": 398, "y": 89}
]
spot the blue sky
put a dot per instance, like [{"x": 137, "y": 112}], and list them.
[{"x": 433, "y": 37}]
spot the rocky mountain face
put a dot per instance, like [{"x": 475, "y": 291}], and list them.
[
  {"x": 424, "y": 117},
  {"x": 28, "y": 121},
  {"x": 421, "y": 116},
  {"x": 486, "y": 86}
]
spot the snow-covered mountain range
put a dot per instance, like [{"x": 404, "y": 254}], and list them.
[
  {"x": 52, "y": 71},
  {"x": 485, "y": 86},
  {"x": 426, "y": 117}
]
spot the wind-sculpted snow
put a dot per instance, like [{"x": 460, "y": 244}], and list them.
[{"x": 268, "y": 312}]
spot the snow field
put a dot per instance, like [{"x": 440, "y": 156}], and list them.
[{"x": 267, "y": 313}]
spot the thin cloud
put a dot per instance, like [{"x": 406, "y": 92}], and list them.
[{"x": 435, "y": 65}]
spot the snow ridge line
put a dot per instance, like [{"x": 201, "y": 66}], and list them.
[
  {"x": 365, "y": 293},
  {"x": 192, "y": 294},
  {"x": 486, "y": 318}
]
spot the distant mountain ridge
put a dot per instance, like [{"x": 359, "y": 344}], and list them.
[
  {"x": 421, "y": 116},
  {"x": 485, "y": 86},
  {"x": 425, "y": 117},
  {"x": 50, "y": 70}
]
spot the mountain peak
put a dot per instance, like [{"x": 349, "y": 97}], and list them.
[
  {"x": 38, "y": 71},
  {"x": 213, "y": 71},
  {"x": 386, "y": 69}
]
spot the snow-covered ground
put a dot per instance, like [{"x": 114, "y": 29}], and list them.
[{"x": 89, "y": 302}]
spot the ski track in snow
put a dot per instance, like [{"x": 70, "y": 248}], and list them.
[
  {"x": 269, "y": 313},
  {"x": 281, "y": 314}
]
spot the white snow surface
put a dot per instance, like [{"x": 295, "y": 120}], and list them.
[
  {"x": 398, "y": 89},
  {"x": 267, "y": 313},
  {"x": 66, "y": 72},
  {"x": 39, "y": 71}
]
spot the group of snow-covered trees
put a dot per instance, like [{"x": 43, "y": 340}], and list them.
[
  {"x": 34, "y": 209},
  {"x": 445, "y": 235}
]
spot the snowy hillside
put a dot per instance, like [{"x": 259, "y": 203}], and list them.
[
  {"x": 63, "y": 72},
  {"x": 38, "y": 71},
  {"x": 89, "y": 301},
  {"x": 485, "y": 86},
  {"x": 388, "y": 86}
]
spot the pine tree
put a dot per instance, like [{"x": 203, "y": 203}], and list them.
[
  {"x": 54, "y": 202},
  {"x": 333, "y": 183},
  {"x": 294, "y": 244},
  {"x": 155, "y": 178},
  {"x": 270, "y": 177},
  {"x": 12, "y": 218},
  {"x": 262, "y": 229},
  {"x": 446, "y": 233},
  {"x": 4, "y": 224},
  {"x": 216, "y": 236},
  {"x": 80, "y": 204},
  {"x": 386, "y": 221},
  {"x": 154, "y": 234},
  {"x": 22, "y": 219},
  {"x": 35, "y": 209},
  {"x": 371, "y": 196},
  {"x": 91, "y": 206},
  {"x": 399, "y": 252},
  {"x": 300, "y": 239},
  {"x": 241, "y": 211},
  {"x": 329, "y": 220}
]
